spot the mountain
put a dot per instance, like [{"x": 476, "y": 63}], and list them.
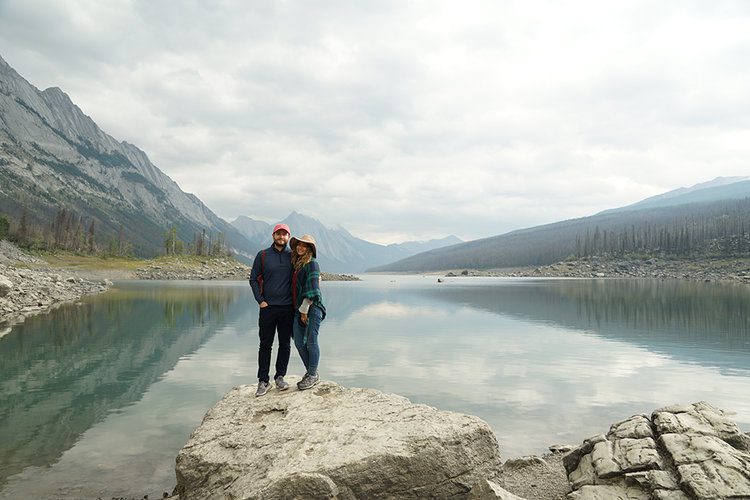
[
  {"x": 53, "y": 156},
  {"x": 721, "y": 188},
  {"x": 255, "y": 230},
  {"x": 708, "y": 219},
  {"x": 415, "y": 247},
  {"x": 338, "y": 250}
]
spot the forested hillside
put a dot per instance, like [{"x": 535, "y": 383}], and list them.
[{"x": 718, "y": 228}]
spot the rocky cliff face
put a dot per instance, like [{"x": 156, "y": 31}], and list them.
[
  {"x": 52, "y": 155},
  {"x": 333, "y": 442}
]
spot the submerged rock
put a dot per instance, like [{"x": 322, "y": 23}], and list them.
[
  {"x": 333, "y": 442},
  {"x": 679, "y": 452}
]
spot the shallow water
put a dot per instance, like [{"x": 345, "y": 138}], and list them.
[{"x": 96, "y": 399}]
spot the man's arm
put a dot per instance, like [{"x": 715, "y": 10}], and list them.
[{"x": 254, "y": 273}]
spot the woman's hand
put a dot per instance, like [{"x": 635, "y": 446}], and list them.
[{"x": 303, "y": 317}]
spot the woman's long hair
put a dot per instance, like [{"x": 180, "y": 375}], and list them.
[{"x": 299, "y": 261}]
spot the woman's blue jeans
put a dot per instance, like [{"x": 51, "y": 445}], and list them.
[{"x": 306, "y": 338}]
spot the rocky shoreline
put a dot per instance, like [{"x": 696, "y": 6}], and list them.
[
  {"x": 729, "y": 270},
  {"x": 192, "y": 269},
  {"x": 28, "y": 286},
  {"x": 338, "y": 277},
  {"x": 209, "y": 269}
]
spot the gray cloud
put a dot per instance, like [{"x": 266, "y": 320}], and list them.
[{"x": 405, "y": 120}]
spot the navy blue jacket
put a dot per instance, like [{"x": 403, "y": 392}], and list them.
[{"x": 277, "y": 277}]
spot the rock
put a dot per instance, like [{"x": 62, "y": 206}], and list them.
[
  {"x": 518, "y": 463},
  {"x": 5, "y": 286},
  {"x": 561, "y": 448},
  {"x": 487, "y": 490},
  {"x": 333, "y": 441},
  {"x": 682, "y": 451}
]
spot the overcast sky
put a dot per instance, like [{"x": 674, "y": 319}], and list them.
[{"x": 406, "y": 120}]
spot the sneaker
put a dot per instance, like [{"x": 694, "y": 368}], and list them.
[
  {"x": 307, "y": 382},
  {"x": 281, "y": 384},
  {"x": 262, "y": 388}
]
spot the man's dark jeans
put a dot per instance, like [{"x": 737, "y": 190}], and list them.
[{"x": 271, "y": 319}]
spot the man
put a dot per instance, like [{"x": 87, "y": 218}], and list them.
[{"x": 271, "y": 281}]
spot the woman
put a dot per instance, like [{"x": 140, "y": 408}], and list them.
[{"x": 308, "y": 306}]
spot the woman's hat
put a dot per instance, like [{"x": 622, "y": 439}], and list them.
[{"x": 305, "y": 238}]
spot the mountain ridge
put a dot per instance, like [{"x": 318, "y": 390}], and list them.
[
  {"x": 709, "y": 220},
  {"x": 338, "y": 249},
  {"x": 55, "y": 156},
  {"x": 720, "y": 188}
]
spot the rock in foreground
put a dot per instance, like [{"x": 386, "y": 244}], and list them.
[
  {"x": 333, "y": 442},
  {"x": 679, "y": 453}
]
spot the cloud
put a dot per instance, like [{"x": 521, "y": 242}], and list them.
[{"x": 406, "y": 120}]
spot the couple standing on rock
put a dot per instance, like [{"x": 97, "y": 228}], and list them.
[{"x": 286, "y": 285}]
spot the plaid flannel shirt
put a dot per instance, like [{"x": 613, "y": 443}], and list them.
[{"x": 306, "y": 285}]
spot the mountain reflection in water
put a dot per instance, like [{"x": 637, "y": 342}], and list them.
[
  {"x": 61, "y": 373},
  {"x": 671, "y": 317}
]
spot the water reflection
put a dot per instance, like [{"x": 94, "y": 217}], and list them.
[
  {"x": 545, "y": 361},
  {"x": 98, "y": 398},
  {"x": 671, "y": 317},
  {"x": 63, "y": 372}
]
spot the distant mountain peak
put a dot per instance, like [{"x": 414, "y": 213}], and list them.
[
  {"x": 55, "y": 91},
  {"x": 718, "y": 181},
  {"x": 338, "y": 249},
  {"x": 716, "y": 189}
]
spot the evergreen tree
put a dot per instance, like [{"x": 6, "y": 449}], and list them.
[
  {"x": 90, "y": 241},
  {"x": 4, "y": 226}
]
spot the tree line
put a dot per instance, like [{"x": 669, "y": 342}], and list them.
[
  {"x": 72, "y": 232},
  {"x": 66, "y": 231},
  {"x": 708, "y": 229},
  {"x": 719, "y": 229},
  {"x": 204, "y": 243}
]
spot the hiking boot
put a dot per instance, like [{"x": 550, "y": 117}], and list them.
[
  {"x": 262, "y": 388},
  {"x": 307, "y": 382},
  {"x": 281, "y": 384}
]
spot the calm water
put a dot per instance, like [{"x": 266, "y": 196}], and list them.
[{"x": 96, "y": 399}]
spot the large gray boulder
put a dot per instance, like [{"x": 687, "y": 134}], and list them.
[
  {"x": 681, "y": 452},
  {"x": 6, "y": 286},
  {"x": 333, "y": 442}
]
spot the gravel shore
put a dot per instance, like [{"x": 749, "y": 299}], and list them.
[
  {"x": 728, "y": 270},
  {"x": 29, "y": 286},
  {"x": 535, "y": 478}
]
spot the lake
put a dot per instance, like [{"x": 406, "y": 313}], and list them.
[{"x": 97, "y": 398}]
